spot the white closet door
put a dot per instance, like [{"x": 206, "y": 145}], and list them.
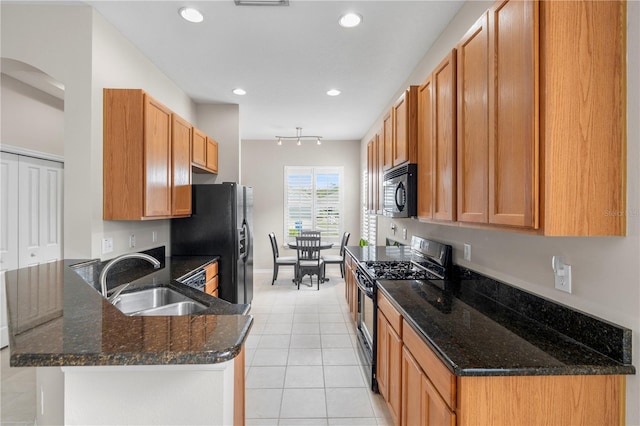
[
  {"x": 8, "y": 231},
  {"x": 8, "y": 211},
  {"x": 40, "y": 202}
]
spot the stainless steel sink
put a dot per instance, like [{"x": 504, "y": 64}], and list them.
[{"x": 157, "y": 301}]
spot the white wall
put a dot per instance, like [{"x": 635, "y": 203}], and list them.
[
  {"x": 21, "y": 105},
  {"x": 222, "y": 123},
  {"x": 263, "y": 163},
  {"x": 606, "y": 271}
]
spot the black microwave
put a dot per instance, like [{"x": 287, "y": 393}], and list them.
[{"x": 401, "y": 191}]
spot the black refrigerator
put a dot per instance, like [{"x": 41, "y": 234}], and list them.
[{"x": 221, "y": 224}]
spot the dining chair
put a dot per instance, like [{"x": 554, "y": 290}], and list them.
[
  {"x": 309, "y": 259},
  {"x": 281, "y": 260},
  {"x": 309, "y": 233},
  {"x": 337, "y": 258}
]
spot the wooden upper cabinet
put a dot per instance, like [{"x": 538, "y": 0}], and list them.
[
  {"x": 136, "y": 156},
  {"x": 204, "y": 153},
  {"x": 199, "y": 148},
  {"x": 513, "y": 113},
  {"x": 425, "y": 150},
  {"x": 181, "y": 166},
  {"x": 473, "y": 124},
  {"x": 212, "y": 155},
  {"x": 157, "y": 158},
  {"x": 405, "y": 127},
  {"x": 583, "y": 117},
  {"x": 380, "y": 170},
  {"x": 437, "y": 143},
  {"x": 387, "y": 136},
  {"x": 371, "y": 181}
]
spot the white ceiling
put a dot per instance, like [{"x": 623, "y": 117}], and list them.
[{"x": 287, "y": 57}]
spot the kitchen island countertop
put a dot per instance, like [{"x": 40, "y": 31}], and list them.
[{"x": 59, "y": 318}]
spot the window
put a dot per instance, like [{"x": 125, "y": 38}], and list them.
[
  {"x": 368, "y": 221},
  {"x": 314, "y": 200}
]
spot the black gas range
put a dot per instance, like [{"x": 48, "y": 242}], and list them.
[{"x": 429, "y": 260}]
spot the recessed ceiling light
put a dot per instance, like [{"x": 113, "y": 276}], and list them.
[
  {"x": 240, "y": 92},
  {"x": 192, "y": 15},
  {"x": 333, "y": 92},
  {"x": 350, "y": 20}
]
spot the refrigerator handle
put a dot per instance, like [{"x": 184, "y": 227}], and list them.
[{"x": 243, "y": 241}]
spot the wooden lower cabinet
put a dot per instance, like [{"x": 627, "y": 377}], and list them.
[
  {"x": 534, "y": 400},
  {"x": 351, "y": 288},
  {"x": 389, "y": 357},
  {"x": 421, "y": 404},
  {"x": 238, "y": 389},
  {"x": 211, "y": 285},
  {"x": 432, "y": 395}
]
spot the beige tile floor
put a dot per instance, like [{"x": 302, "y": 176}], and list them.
[
  {"x": 302, "y": 365},
  {"x": 301, "y": 362},
  {"x": 17, "y": 393}
]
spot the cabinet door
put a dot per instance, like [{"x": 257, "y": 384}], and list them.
[
  {"x": 212, "y": 155},
  {"x": 181, "y": 167},
  {"x": 157, "y": 158},
  {"x": 387, "y": 132},
  {"x": 473, "y": 131},
  {"x": 380, "y": 169},
  {"x": 513, "y": 113},
  {"x": 388, "y": 367},
  {"x": 412, "y": 377},
  {"x": 433, "y": 408},
  {"x": 425, "y": 150},
  {"x": 405, "y": 129},
  {"x": 394, "y": 377},
  {"x": 444, "y": 139},
  {"x": 584, "y": 120},
  {"x": 382, "y": 360},
  {"x": 199, "y": 148},
  {"x": 371, "y": 155},
  {"x": 421, "y": 402}
]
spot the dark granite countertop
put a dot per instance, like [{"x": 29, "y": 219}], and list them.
[
  {"x": 380, "y": 253},
  {"x": 469, "y": 323},
  {"x": 57, "y": 317}
]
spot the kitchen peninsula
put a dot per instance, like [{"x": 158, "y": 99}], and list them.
[{"x": 127, "y": 369}]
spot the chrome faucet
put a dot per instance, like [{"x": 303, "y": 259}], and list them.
[{"x": 112, "y": 262}]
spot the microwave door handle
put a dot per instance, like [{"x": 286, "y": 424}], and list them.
[{"x": 398, "y": 198}]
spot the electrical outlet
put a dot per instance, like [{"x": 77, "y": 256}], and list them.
[
  {"x": 107, "y": 245},
  {"x": 467, "y": 252},
  {"x": 132, "y": 241},
  {"x": 404, "y": 233},
  {"x": 154, "y": 236},
  {"x": 562, "y": 274}
]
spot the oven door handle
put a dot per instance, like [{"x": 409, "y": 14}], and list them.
[{"x": 366, "y": 290}]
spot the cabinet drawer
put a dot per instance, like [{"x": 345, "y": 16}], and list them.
[
  {"x": 393, "y": 316},
  {"x": 211, "y": 270},
  {"x": 211, "y": 286},
  {"x": 443, "y": 380}
]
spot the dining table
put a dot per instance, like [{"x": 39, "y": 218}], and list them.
[{"x": 323, "y": 246}]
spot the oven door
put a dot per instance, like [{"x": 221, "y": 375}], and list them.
[{"x": 366, "y": 326}]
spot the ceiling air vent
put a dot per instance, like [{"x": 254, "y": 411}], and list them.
[{"x": 261, "y": 2}]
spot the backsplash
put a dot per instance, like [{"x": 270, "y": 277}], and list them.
[
  {"x": 602, "y": 336},
  {"x": 136, "y": 268}
]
